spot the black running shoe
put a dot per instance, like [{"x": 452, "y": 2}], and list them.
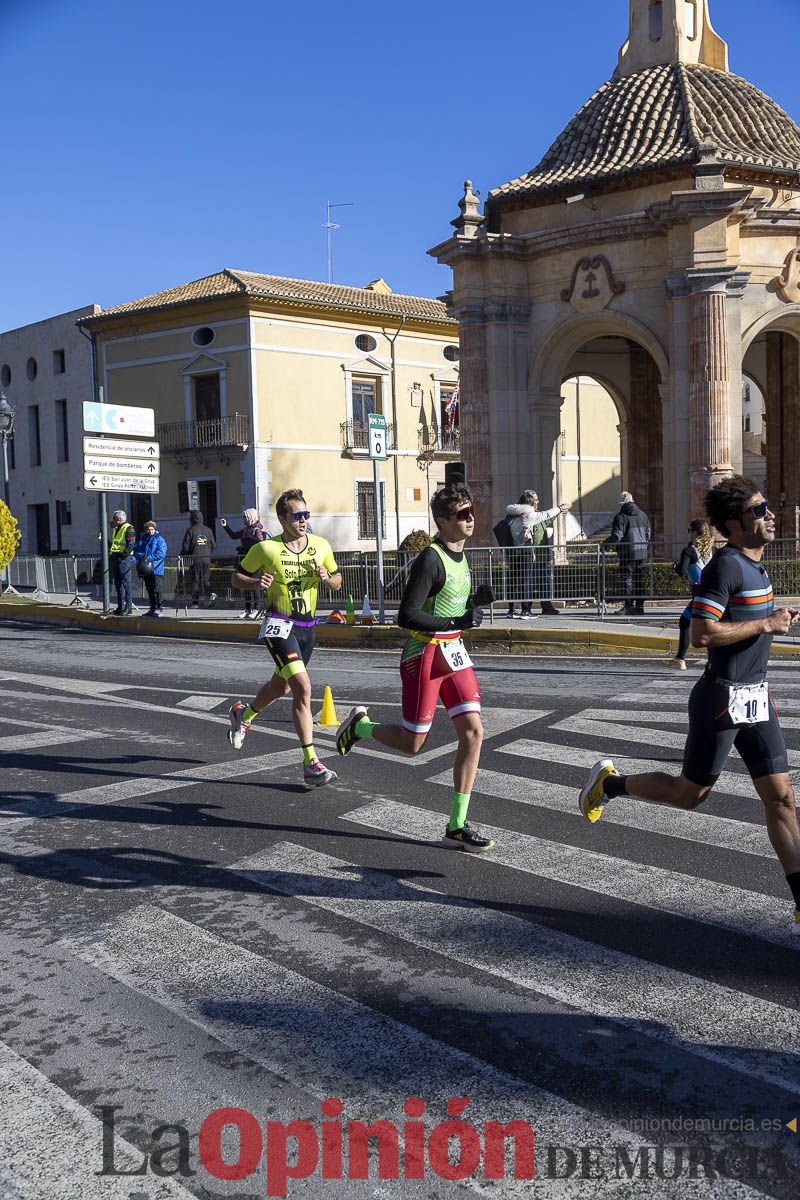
[
  {"x": 346, "y": 736},
  {"x": 467, "y": 838}
]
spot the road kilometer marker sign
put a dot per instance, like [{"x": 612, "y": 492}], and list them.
[
  {"x": 98, "y": 481},
  {"x": 123, "y": 466}
]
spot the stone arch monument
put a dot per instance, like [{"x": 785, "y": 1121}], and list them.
[{"x": 657, "y": 246}]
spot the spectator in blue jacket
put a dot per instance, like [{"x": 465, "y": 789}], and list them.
[{"x": 150, "y": 553}]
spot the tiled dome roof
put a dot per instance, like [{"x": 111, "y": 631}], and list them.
[{"x": 656, "y": 120}]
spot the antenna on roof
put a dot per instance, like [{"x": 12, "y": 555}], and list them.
[{"x": 329, "y": 226}]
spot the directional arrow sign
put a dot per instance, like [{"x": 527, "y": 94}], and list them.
[
  {"x": 122, "y": 466},
  {"x": 97, "y": 481},
  {"x": 131, "y": 449},
  {"x": 118, "y": 419}
]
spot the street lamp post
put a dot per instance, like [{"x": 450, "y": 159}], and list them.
[{"x": 7, "y": 415}]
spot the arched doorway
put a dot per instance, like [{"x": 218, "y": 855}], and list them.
[
  {"x": 630, "y": 362},
  {"x": 591, "y": 463},
  {"x": 771, "y": 370},
  {"x": 632, "y": 379}
]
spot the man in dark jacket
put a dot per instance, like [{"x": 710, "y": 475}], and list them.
[
  {"x": 198, "y": 542},
  {"x": 120, "y": 557},
  {"x": 630, "y": 534}
]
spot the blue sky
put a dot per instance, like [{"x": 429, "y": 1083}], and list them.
[{"x": 149, "y": 142}]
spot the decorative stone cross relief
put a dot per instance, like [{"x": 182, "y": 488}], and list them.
[
  {"x": 593, "y": 285},
  {"x": 788, "y": 282}
]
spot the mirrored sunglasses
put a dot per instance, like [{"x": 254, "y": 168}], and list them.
[{"x": 303, "y": 515}]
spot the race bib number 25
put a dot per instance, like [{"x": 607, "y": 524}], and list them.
[{"x": 275, "y": 627}]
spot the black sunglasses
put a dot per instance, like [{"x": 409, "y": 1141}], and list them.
[{"x": 759, "y": 510}]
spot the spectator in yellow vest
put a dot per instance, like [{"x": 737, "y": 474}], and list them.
[{"x": 120, "y": 552}]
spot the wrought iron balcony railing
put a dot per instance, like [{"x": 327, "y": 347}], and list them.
[
  {"x": 214, "y": 434},
  {"x": 440, "y": 441},
  {"x": 355, "y": 437}
]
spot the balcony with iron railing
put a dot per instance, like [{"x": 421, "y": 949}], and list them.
[
  {"x": 442, "y": 443},
  {"x": 355, "y": 438},
  {"x": 219, "y": 433}
]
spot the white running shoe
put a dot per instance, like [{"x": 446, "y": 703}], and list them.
[
  {"x": 678, "y": 663},
  {"x": 316, "y": 775},
  {"x": 239, "y": 726}
]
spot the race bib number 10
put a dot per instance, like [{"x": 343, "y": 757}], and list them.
[
  {"x": 275, "y": 627},
  {"x": 749, "y": 705},
  {"x": 456, "y": 655}
]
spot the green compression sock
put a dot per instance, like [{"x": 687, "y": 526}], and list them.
[
  {"x": 309, "y": 754},
  {"x": 365, "y": 727},
  {"x": 250, "y": 714},
  {"x": 458, "y": 811}
]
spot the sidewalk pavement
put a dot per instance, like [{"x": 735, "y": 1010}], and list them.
[{"x": 575, "y": 631}]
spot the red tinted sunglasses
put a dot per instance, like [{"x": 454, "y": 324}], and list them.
[{"x": 463, "y": 514}]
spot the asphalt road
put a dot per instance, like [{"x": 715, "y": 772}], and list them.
[{"x": 185, "y": 929}]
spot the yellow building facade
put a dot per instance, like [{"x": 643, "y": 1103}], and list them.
[{"x": 261, "y": 383}]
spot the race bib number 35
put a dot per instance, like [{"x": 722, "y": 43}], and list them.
[
  {"x": 456, "y": 655},
  {"x": 275, "y": 627},
  {"x": 749, "y": 705}
]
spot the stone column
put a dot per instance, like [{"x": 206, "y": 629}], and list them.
[
  {"x": 645, "y": 478},
  {"x": 709, "y": 382},
  {"x": 474, "y": 417}
]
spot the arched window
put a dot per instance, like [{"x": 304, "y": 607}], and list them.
[{"x": 656, "y": 20}]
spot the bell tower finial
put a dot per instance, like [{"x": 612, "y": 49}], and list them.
[{"x": 671, "y": 31}]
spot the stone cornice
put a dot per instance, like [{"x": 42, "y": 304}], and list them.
[
  {"x": 508, "y": 312},
  {"x": 771, "y": 221},
  {"x": 707, "y": 279},
  {"x": 683, "y": 207},
  {"x": 526, "y": 247}
]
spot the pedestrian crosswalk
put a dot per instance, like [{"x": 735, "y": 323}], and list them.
[{"x": 344, "y": 954}]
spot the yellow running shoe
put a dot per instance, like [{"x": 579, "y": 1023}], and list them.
[{"x": 592, "y": 798}]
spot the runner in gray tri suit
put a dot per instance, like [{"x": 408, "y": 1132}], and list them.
[{"x": 734, "y": 617}]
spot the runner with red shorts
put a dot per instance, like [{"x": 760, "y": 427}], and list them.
[{"x": 435, "y": 609}]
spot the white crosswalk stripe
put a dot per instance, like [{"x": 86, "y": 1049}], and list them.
[
  {"x": 720, "y": 832},
  {"x": 331, "y": 1045},
  {"x": 670, "y": 1005},
  {"x": 579, "y": 756},
  {"x": 50, "y": 1145},
  {"x": 748, "y": 913},
  {"x": 641, "y": 735},
  {"x": 16, "y": 742},
  {"x": 209, "y": 955}
]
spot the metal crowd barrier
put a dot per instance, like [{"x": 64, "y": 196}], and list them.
[{"x": 580, "y": 574}]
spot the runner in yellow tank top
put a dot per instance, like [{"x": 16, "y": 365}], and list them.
[{"x": 287, "y": 571}]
